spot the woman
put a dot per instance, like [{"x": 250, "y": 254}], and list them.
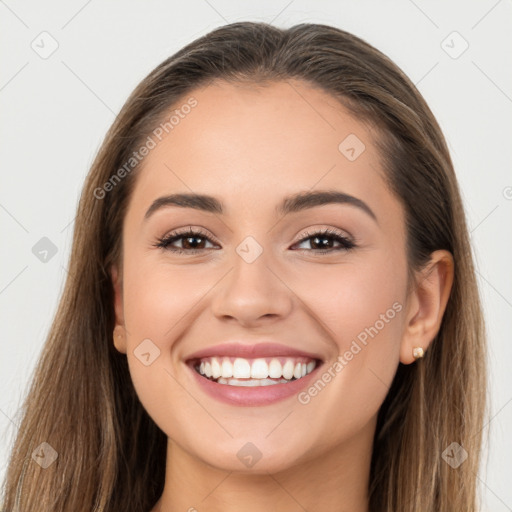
[{"x": 271, "y": 301}]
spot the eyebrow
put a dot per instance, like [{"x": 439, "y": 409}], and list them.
[{"x": 291, "y": 204}]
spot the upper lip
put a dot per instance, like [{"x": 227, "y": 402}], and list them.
[{"x": 263, "y": 349}]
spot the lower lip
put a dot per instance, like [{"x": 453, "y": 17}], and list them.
[{"x": 252, "y": 396}]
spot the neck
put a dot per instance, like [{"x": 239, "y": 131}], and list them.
[{"x": 334, "y": 479}]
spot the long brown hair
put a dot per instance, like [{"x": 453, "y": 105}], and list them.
[{"x": 111, "y": 455}]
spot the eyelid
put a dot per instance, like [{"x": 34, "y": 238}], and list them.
[
  {"x": 311, "y": 231},
  {"x": 191, "y": 229}
]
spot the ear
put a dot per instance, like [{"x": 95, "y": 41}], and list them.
[
  {"x": 119, "y": 331},
  {"x": 427, "y": 304}
]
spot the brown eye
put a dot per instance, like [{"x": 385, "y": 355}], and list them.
[
  {"x": 191, "y": 241},
  {"x": 324, "y": 242}
]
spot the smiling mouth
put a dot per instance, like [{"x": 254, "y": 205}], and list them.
[{"x": 237, "y": 371}]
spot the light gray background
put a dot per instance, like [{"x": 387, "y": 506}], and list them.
[{"x": 55, "y": 112}]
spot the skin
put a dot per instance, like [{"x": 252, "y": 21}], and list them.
[{"x": 250, "y": 147}]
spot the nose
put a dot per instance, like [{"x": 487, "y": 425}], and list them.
[{"x": 252, "y": 294}]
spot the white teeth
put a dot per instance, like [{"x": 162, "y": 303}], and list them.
[
  {"x": 288, "y": 369},
  {"x": 260, "y": 371},
  {"x": 275, "y": 370},
  {"x": 216, "y": 370},
  {"x": 241, "y": 368},
  {"x": 227, "y": 368}
]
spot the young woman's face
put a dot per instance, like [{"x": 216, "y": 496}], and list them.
[{"x": 263, "y": 271}]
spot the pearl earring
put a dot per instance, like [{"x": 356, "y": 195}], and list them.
[{"x": 417, "y": 352}]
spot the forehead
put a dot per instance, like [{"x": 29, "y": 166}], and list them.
[{"x": 256, "y": 143}]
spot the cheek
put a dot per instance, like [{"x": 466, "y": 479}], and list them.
[
  {"x": 160, "y": 303},
  {"x": 361, "y": 307},
  {"x": 355, "y": 301},
  {"x": 159, "y": 298}
]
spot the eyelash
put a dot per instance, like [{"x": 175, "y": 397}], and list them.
[{"x": 346, "y": 244}]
